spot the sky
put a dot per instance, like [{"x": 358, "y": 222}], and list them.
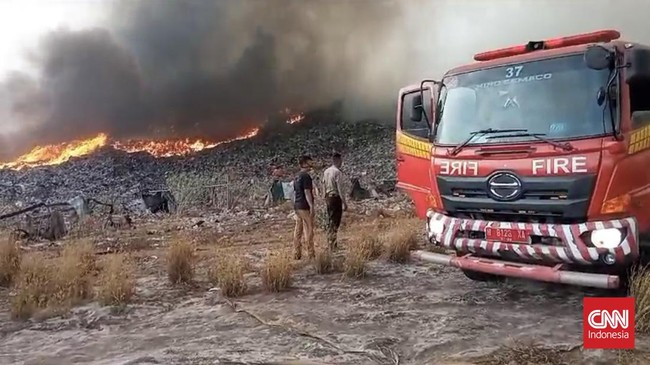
[
  {"x": 23, "y": 22},
  {"x": 474, "y": 24}
]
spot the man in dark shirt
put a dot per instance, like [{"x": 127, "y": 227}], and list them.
[{"x": 304, "y": 207}]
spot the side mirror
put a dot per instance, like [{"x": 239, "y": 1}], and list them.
[
  {"x": 598, "y": 57},
  {"x": 416, "y": 108},
  {"x": 639, "y": 65}
]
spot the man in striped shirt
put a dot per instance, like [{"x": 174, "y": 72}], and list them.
[{"x": 334, "y": 198}]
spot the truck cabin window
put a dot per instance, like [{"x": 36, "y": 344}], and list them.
[
  {"x": 640, "y": 103},
  {"x": 556, "y": 98},
  {"x": 419, "y": 127}
]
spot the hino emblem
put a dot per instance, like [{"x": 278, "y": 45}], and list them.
[
  {"x": 511, "y": 102},
  {"x": 504, "y": 186}
]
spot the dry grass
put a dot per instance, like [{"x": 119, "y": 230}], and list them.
[
  {"x": 398, "y": 242},
  {"x": 180, "y": 262},
  {"x": 228, "y": 274},
  {"x": 320, "y": 218},
  {"x": 190, "y": 189},
  {"x": 55, "y": 284},
  {"x": 33, "y": 286},
  {"x": 116, "y": 281},
  {"x": 187, "y": 189},
  {"x": 86, "y": 226},
  {"x": 356, "y": 258},
  {"x": 75, "y": 270},
  {"x": 632, "y": 357},
  {"x": 525, "y": 353},
  {"x": 10, "y": 256},
  {"x": 371, "y": 244},
  {"x": 438, "y": 249},
  {"x": 324, "y": 264},
  {"x": 640, "y": 290},
  {"x": 277, "y": 271}
]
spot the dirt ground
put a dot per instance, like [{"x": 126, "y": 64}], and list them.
[{"x": 399, "y": 314}]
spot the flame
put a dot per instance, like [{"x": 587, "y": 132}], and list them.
[
  {"x": 56, "y": 154},
  {"x": 295, "y": 118},
  {"x": 59, "y": 153},
  {"x": 179, "y": 147}
]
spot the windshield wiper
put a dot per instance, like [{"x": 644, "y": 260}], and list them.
[
  {"x": 539, "y": 136},
  {"x": 481, "y": 132}
]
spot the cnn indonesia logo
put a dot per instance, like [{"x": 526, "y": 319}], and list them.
[{"x": 608, "y": 323}]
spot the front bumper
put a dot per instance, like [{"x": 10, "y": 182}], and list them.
[
  {"x": 571, "y": 250},
  {"x": 549, "y": 261}
]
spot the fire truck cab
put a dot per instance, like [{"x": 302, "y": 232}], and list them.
[{"x": 533, "y": 161}]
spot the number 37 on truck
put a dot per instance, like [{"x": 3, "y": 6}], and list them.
[{"x": 532, "y": 162}]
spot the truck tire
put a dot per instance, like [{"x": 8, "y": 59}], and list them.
[
  {"x": 623, "y": 289},
  {"x": 626, "y": 275},
  {"x": 479, "y": 276}
]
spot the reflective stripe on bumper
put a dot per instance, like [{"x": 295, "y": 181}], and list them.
[{"x": 573, "y": 249}]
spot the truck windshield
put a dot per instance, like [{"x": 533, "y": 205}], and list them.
[{"x": 557, "y": 98}]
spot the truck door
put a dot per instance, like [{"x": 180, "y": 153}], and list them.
[{"x": 413, "y": 149}]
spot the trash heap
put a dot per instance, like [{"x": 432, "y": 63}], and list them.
[{"x": 240, "y": 168}]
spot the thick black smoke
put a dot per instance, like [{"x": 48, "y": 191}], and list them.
[
  {"x": 212, "y": 68},
  {"x": 198, "y": 67}
]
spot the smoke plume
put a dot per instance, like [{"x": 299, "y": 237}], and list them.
[
  {"x": 197, "y": 68},
  {"x": 208, "y": 68}
]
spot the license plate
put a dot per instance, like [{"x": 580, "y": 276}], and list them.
[{"x": 506, "y": 234}]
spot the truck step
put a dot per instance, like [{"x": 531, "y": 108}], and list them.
[{"x": 525, "y": 271}]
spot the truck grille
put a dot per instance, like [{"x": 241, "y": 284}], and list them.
[
  {"x": 532, "y": 194},
  {"x": 547, "y": 199}
]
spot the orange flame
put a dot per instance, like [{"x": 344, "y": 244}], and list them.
[
  {"x": 170, "y": 148},
  {"x": 59, "y": 153},
  {"x": 56, "y": 154}
]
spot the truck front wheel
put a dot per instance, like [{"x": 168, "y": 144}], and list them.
[{"x": 479, "y": 276}]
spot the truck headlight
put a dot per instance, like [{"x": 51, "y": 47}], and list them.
[
  {"x": 606, "y": 238},
  {"x": 435, "y": 227}
]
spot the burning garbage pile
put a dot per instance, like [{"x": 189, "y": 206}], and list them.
[
  {"x": 230, "y": 174},
  {"x": 62, "y": 152}
]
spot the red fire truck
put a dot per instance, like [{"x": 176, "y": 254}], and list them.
[{"x": 533, "y": 161}]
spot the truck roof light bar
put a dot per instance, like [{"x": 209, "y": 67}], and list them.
[{"x": 584, "y": 38}]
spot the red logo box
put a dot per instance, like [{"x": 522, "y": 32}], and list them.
[{"x": 608, "y": 323}]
